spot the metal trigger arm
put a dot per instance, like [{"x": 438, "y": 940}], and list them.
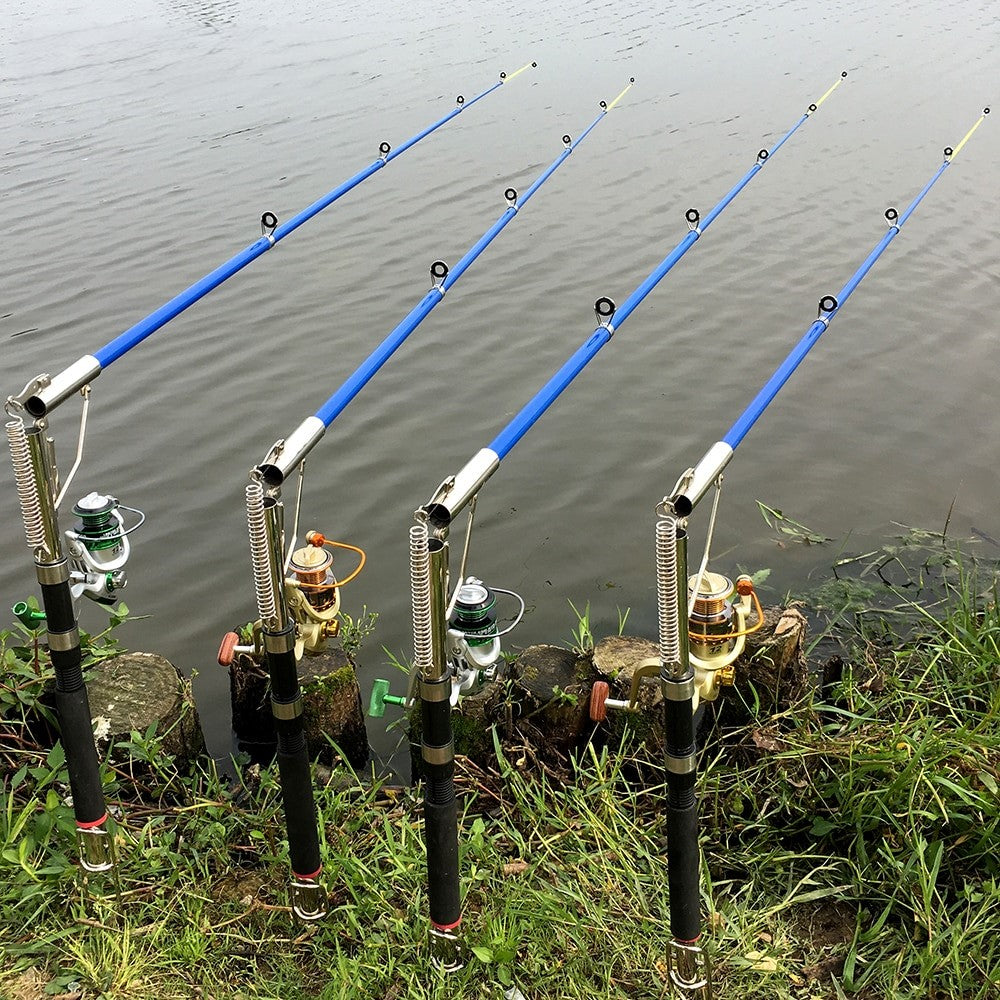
[{"x": 85, "y": 392}]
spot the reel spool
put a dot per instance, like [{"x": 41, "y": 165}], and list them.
[
  {"x": 710, "y": 625},
  {"x": 474, "y": 619},
  {"x": 473, "y": 638},
  {"x": 311, "y": 567},
  {"x": 717, "y": 629}
]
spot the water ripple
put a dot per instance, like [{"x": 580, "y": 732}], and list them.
[{"x": 143, "y": 145}]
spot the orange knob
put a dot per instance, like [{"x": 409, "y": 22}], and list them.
[
  {"x": 598, "y": 696},
  {"x": 227, "y": 648}
]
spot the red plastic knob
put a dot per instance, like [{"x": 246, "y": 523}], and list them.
[
  {"x": 227, "y": 648},
  {"x": 598, "y": 696}
]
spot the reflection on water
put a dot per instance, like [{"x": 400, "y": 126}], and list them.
[
  {"x": 215, "y": 14},
  {"x": 143, "y": 144}
]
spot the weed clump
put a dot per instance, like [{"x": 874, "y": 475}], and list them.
[{"x": 849, "y": 842}]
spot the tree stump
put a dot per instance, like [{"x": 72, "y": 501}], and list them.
[
  {"x": 539, "y": 703},
  {"x": 333, "y": 707},
  {"x": 543, "y": 702},
  {"x": 551, "y": 686},
  {"x": 132, "y": 691},
  {"x": 615, "y": 659},
  {"x": 772, "y": 672},
  {"x": 331, "y": 696}
]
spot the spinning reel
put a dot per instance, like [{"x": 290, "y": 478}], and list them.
[
  {"x": 717, "y": 633},
  {"x": 98, "y": 547},
  {"x": 312, "y": 594},
  {"x": 474, "y": 655},
  {"x": 473, "y": 648}
]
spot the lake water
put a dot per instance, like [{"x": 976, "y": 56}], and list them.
[{"x": 143, "y": 141}]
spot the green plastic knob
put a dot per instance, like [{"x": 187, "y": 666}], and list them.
[
  {"x": 27, "y": 616},
  {"x": 380, "y": 698}
]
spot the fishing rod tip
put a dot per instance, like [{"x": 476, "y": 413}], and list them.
[
  {"x": 534, "y": 65},
  {"x": 843, "y": 75},
  {"x": 986, "y": 111}
]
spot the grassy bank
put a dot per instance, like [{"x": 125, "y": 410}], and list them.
[{"x": 850, "y": 848}]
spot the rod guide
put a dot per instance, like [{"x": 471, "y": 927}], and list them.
[{"x": 605, "y": 309}]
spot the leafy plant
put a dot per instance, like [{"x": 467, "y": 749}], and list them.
[
  {"x": 563, "y": 697},
  {"x": 354, "y": 631},
  {"x": 778, "y": 521},
  {"x": 622, "y": 619},
  {"x": 582, "y": 638}
]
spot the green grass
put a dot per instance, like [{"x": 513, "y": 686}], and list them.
[{"x": 850, "y": 849}]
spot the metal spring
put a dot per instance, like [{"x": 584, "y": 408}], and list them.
[
  {"x": 259, "y": 554},
  {"x": 27, "y": 492},
  {"x": 420, "y": 589},
  {"x": 666, "y": 589}
]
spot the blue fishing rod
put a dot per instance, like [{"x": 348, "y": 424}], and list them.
[
  {"x": 697, "y": 482},
  {"x": 703, "y": 624},
  {"x": 457, "y": 647},
  {"x": 289, "y": 620},
  {"x": 697, "y": 225},
  {"x": 50, "y": 392},
  {"x": 89, "y": 560},
  {"x": 446, "y": 659}
]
